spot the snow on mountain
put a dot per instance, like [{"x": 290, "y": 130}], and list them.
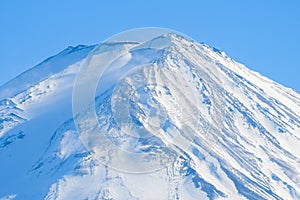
[
  {"x": 208, "y": 126},
  {"x": 50, "y": 66}
]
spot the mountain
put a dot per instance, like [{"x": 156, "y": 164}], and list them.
[{"x": 168, "y": 119}]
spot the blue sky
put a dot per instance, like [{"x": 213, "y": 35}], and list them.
[{"x": 263, "y": 35}]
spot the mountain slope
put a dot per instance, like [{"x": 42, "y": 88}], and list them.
[{"x": 200, "y": 126}]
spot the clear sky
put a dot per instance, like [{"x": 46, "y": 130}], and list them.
[{"x": 262, "y": 34}]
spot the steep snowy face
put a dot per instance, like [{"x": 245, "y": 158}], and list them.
[
  {"x": 34, "y": 105},
  {"x": 167, "y": 115}
]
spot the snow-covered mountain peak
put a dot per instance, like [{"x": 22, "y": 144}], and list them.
[{"x": 205, "y": 126}]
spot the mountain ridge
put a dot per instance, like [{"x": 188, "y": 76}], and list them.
[{"x": 42, "y": 71}]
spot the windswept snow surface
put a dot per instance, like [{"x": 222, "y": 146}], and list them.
[{"x": 208, "y": 126}]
